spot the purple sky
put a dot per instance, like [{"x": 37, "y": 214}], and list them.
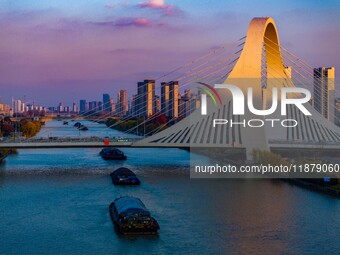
[{"x": 57, "y": 51}]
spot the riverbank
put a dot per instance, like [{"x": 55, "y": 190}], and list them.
[
  {"x": 5, "y": 152},
  {"x": 329, "y": 190},
  {"x": 26, "y": 127},
  {"x": 139, "y": 126}
]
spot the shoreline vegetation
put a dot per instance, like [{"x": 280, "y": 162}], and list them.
[
  {"x": 13, "y": 129},
  {"x": 5, "y": 152},
  {"x": 30, "y": 128},
  {"x": 25, "y": 127},
  {"x": 138, "y": 127}
]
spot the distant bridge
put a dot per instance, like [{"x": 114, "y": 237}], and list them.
[{"x": 67, "y": 142}]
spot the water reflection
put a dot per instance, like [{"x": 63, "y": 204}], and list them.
[{"x": 56, "y": 202}]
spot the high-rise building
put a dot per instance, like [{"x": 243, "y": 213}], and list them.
[
  {"x": 74, "y": 108},
  {"x": 182, "y": 106},
  {"x": 169, "y": 99},
  {"x": 99, "y": 106},
  {"x": 5, "y": 109},
  {"x": 122, "y": 105},
  {"x": 60, "y": 107},
  {"x": 133, "y": 106},
  {"x": 91, "y": 106},
  {"x": 95, "y": 106},
  {"x": 17, "y": 106},
  {"x": 185, "y": 104},
  {"x": 324, "y": 92},
  {"x": 146, "y": 94},
  {"x": 106, "y": 103},
  {"x": 173, "y": 99},
  {"x": 113, "y": 106},
  {"x": 187, "y": 94},
  {"x": 157, "y": 104},
  {"x": 165, "y": 98},
  {"x": 195, "y": 102},
  {"x": 29, "y": 107},
  {"x": 83, "y": 107},
  {"x": 8, "y": 110}
]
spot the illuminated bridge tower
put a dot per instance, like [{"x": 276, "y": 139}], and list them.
[{"x": 197, "y": 130}]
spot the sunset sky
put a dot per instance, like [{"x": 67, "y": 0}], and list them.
[{"x": 61, "y": 51}]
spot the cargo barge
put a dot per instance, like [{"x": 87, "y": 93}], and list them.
[
  {"x": 124, "y": 176},
  {"x": 130, "y": 216}
]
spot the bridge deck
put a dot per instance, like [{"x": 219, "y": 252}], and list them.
[
  {"x": 62, "y": 145},
  {"x": 67, "y": 142},
  {"x": 96, "y": 142}
]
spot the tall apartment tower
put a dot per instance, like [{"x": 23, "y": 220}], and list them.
[
  {"x": 146, "y": 95},
  {"x": 134, "y": 106},
  {"x": 122, "y": 105},
  {"x": 157, "y": 104},
  {"x": 74, "y": 108},
  {"x": 106, "y": 103},
  {"x": 169, "y": 99},
  {"x": 93, "y": 106},
  {"x": 60, "y": 107},
  {"x": 165, "y": 98},
  {"x": 184, "y": 104},
  {"x": 17, "y": 106},
  {"x": 83, "y": 106},
  {"x": 324, "y": 92},
  {"x": 173, "y": 99}
]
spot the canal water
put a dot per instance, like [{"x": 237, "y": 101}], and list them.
[{"x": 55, "y": 201}]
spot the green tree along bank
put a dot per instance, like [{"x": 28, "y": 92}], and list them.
[
  {"x": 27, "y": 127},
  {"x": 31, "y": 128}
]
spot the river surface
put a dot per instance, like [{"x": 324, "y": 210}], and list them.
[{"x": 55, "y": 201}]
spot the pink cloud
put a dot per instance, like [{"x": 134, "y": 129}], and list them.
[
  {"x": 157, "y": 4},
  {"x": 167, "y": 9}
]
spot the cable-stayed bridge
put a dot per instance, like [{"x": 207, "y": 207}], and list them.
[{"x": 257, "y": 61}]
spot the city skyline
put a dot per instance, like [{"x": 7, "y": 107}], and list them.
[
  {"x": 170, "y": 101},
  {"x": 80, "y": 54}
]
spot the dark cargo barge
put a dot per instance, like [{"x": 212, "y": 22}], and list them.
[
  {"x": 112, "y": 154},
  {"x": 130, "y": 216},
  {"x": 124, "y": 176}
]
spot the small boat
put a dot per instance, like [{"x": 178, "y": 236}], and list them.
[
  {"x": 112, "y": 154},
  {"x": 124, "y": 176},
  {"x": 65, "y": 122},
  {"x": 77, "y": 124},
  {"x": 82, "y": 128},
  {"x": 130, "y": 216}
]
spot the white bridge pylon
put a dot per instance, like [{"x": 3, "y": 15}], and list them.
[{"x": 196, "y": 130}]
